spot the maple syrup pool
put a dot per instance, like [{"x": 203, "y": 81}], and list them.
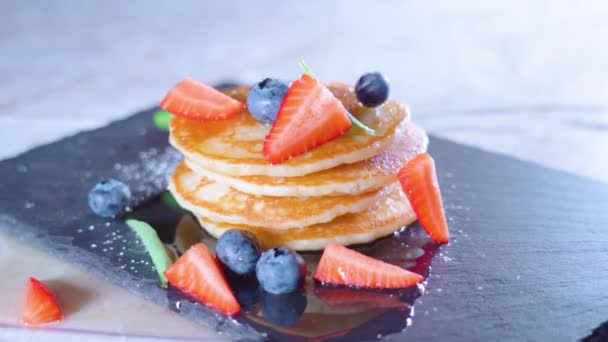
[{"x": 318, "y": 311}]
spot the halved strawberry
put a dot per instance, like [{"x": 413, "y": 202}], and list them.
[
  {"x": 195, "y": 100},
  {"x": 198, "y": 274},
  {"x": 343, "y": 266},
  {"x": 419, "y": 182},
  {"x": 40, "y": 305},
  {"x": 310, "y": 115}
]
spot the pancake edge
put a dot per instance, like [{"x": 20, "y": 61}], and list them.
[
  {"x": 320, "y": 243},
  {"x": 284, "y": 170},
  {"x": 295, "y": 191},
  {"x": 362, "y": 205},
  {"x": 353, "y": 187}
]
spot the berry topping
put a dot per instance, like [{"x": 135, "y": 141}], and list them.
[
  {"x": 195, "y": 100},
  {"x": 372, "y": 89},
  {"x": 345, "y": 102},
  {"x": 155, "y": 248},
  {"x": 238, "y": 251},
  {"x": 197, "y": 273},
  {"x": 309, "y": 116},
  {"x": 283, "y": 309},
  {"x": 109, "y": 197},
  {"x": 342, "y": 266},
  {"x": 419, "y": 182},
  {"x": 280, "y": 270},
  {"x": 264, "y": 99},
  {"x": 40, "y": 305}
]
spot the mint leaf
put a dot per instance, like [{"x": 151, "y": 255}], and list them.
[
  {"x": 360, "y": 124},
  {"x": 161, "y": 120},
  {"x": 306, "y": 69},
  {"x": 156, "y": 249}
]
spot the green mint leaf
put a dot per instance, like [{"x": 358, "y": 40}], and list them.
[
  {"x": 161, "y": 120},
  {"x": 306, "y": 69},
  {"x": 360, "y": 124},
  {"x": 168, "y": 200},
  {"x": 155, "y": 247}
]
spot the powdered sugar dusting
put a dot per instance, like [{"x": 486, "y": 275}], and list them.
[{"x": 149, "y": 175}]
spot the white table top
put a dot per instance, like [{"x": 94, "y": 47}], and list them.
[{"x": 527, "y": 80}]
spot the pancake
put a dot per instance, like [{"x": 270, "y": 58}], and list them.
[
  {"x": 352, "y": 179},
  {"x": 219, "y": 202},
  {"x": 390, "y": 212},
  {"x": 234, "y": 146}
]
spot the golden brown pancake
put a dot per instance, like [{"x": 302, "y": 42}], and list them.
[
  {"x": 390, "y": 212},
  {"x": 352, "y": 179},
  {"x": 221, "y": 203},
  {"x": 234, "y": 146}
]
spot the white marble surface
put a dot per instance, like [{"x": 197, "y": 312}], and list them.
[
  {"x": 93, "y": 309},
  {"x": 525, "y": 78}
]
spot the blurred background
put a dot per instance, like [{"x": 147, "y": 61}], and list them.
[{"x": 525, "y": 78}]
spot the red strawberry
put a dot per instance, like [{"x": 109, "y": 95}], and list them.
[
  {"x": 419, "y": 182},
  {"x": 343, "y": 266},
  {"x": 195, "y": 100},
  {"x": 310, "y": 115},
  {"x": 40, "y": 305},
  {"x": 198, "y": 274}
]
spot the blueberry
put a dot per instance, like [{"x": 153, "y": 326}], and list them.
[
  {"x": 238, "y": 251},
  {"x": 280, "y": 270},
  {"x": 109, "y": 197},
  {"x": 283, "y": 309},
  {"x": 264, "y": 99},
  {"x": 372, "y": 89}
]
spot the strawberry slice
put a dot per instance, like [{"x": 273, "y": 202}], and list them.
[
  {"x": 194, "y": 100},
  {"x": 342, "y": 266},
  {"x": 310, "y": 115},
  {"x": 197, "y": 273},
  {"x": 419, "y": 182},
  {"x": 40, "y": 305}
]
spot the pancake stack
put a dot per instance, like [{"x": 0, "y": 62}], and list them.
[{"x": 344, "y": 190}]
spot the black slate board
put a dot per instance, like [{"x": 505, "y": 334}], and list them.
[{"x": 528, "y": 259}]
